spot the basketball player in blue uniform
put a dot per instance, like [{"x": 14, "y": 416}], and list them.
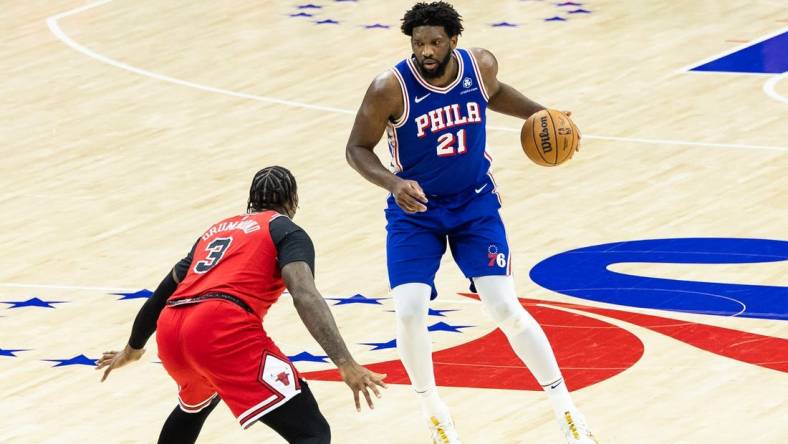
[{"x": 433, "y": 108}]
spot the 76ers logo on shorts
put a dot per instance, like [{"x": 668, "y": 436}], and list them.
[{"x": 495, "y": 258}]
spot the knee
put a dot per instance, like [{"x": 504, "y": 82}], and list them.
[
  {"x": 500, "y": 310},
  {"x": 319, "y": 433},
  {"x": 324, "y": 433},
  {"x": 411, "y": 316},
  {"x": 411, "y": 303},
  {"x": 512, "y": 320}
]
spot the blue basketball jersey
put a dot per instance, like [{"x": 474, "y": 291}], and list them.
[{"x": 440, "y": 139}]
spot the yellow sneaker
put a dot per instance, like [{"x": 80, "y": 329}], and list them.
[
  {"x": 443, "y": 432},
  {"x": 575, "y": 429}
]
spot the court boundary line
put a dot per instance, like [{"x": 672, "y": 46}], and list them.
[
  {"x": 769, "y": 87},
  {"x": 54, "y": 27}
]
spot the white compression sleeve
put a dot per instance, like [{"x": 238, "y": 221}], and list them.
[
  {"x": 526, "y": 336},
  {"x": 413, "y": 340},
  {"x": 414, "y": 346}
]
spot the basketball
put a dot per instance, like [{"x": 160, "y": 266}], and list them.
[{"x": 549, "y": 137}]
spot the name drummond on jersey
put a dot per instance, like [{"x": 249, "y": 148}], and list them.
[{"x": 248, "y": 226}]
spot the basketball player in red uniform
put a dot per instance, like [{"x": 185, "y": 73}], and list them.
[{"x": 209, "y": 314}]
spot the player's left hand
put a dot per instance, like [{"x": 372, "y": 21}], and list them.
[
  {"x": 362, "y": 380},
  {"x": 114, "y": 359}
]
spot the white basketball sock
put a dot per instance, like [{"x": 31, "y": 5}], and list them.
[
  {"x": 433, "y": 405},
  {"x": 411, "y": 302},
  {"x": 526, "y": 337}
]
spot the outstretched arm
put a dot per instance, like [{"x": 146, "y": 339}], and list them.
[
  {"x": 315, "y": 314},
  {"x": 382, "y": 102},
  {"x": 502, "y": 97},
  {"x": 296, "y": 257}
]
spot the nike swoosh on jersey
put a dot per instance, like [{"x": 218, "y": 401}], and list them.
[
  {"x": 479, "y": 190},
  {"x": 419, "y": 99}
]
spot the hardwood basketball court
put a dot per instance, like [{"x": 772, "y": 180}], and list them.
[{"x": 130, "y": 126}]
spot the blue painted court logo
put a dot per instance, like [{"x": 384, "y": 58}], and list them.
[
  {"x": 585, "y": 273},
  {"x": 766, "y": 56}
]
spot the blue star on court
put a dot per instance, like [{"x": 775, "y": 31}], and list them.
[
  {"x": 76, "y": 360},
  {"x": 381, "y": 345},
  {"x": 442, "y": 326},
  {"x": 308, "y": 357},
  {"x": 140, "y": 294},
  {"x": 357, "y": 299},
  {"x": 10, "y": 351},
  {"x": 33, "y": 302},
  {"x": 327, "y": 22},
  {"x": 555, "y": 19},
  {"x": 504, "y": 25},
  {"x": 310, "y": 6},
  {"x": 569, "y": 4},
  {"x": 301, "y": 14},
  {"x": 580, "y": 11},
  {"x": 377, "y": 26}
]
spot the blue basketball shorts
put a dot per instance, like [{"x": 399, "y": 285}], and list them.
[{"x": 468, "y": 221}]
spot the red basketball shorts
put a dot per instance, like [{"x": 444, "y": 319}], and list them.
[{"x": 215, "y": 347}]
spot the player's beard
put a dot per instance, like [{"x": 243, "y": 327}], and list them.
[{"x": 439, "y": 70}]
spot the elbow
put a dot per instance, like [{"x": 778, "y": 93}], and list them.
[{"x": 350, "y": 156}]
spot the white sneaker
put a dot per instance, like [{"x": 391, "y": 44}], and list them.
[
  {"x": 575, "y": 429},
  {"x": 443, "y": 432}
]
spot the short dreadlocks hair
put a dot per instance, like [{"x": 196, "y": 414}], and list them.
[
  {"x": 432, "y": 14},
  {"x": 273, "y": 188}
]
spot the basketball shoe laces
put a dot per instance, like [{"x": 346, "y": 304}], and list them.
[
  {"x": 440, "y": 432},
  {"x": 576, "y": 430}
]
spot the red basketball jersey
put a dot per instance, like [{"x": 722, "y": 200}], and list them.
[{"x": 237, "y": 257}]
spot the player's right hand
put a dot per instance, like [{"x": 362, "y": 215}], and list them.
[
  {"x": 361, "y": 380},
  {"x": 114, "y": 359},
  {"x": 409, "y": 196}
]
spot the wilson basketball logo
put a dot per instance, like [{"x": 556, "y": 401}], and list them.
[{"x": 544, "y": 136}]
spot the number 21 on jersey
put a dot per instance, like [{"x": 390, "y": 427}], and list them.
[{"x": 447, "y": 142}]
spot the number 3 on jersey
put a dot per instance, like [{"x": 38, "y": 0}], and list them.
[
  {"x": 216, "y": 250},
  {"x": 446, "y": 145}
]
